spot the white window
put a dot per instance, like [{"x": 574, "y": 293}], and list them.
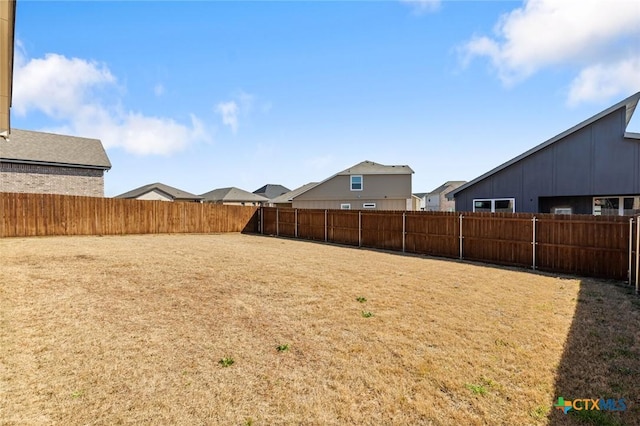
[
  {"x": 345, "y": 206},
  {"x": 562, "y": 210},
  {"x": 616, "y": 205},
  {"x": 495, "y": 205},
  {"x": 356, "y": 182},
  {"x": 368, "y": 205}
]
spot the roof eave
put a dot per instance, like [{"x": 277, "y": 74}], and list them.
[
  {"x": 631, "y": 135},
  {"x": 48, "y": 163}
]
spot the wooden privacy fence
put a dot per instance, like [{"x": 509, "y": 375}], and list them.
[
  {"x": 23, "y": 215},
  {"x": 595, "y": 246}
]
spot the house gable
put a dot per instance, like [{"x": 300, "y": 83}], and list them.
[
  {"x": 596, "y": 157},
  {"x": 161, "y": 192}
]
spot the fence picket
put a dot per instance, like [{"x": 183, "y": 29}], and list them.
[
  {"x": 50, "y": 214},
  {"x": 598, "y": 246},
  {"x": 578, "y": 244}
]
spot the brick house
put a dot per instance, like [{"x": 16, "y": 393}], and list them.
[{"x": 37, "y": 162}]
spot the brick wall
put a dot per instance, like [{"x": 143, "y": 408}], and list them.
[
  {"x": 39, "y": 179},
  {"x": 445, "y": 204}
]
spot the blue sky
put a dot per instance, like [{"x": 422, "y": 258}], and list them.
[{"x": 209, "y": 94}]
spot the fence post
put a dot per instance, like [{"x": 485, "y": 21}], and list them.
[
  {"x": 295, "y": 226},
  {"x": 637, "y": 254},
  {"x": 461, "y": 237},
  {"x": 629, "y": 274},
  {"x": 326, "y": 224},
  {"x": 404, "y": 228},
  {"x": 359, "y": 228},
  {"x": 534, "y": 243},
  {"x": 277, "y": 222}
]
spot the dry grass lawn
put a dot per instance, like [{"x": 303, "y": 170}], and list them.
[{"x": 131, "y": 330}]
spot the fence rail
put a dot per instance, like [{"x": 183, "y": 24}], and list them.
[
  {"x": 23, "y": 215},
  {"x": 595, "y": 246}
]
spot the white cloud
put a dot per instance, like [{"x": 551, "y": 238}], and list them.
[
  {"x": 229, "y": 113},
  {"x": 546, "y": 33},
  {"x": 604, "y": 81},
  {"x": 46, "y": 84},
  {"x": 422, "y": 6},
  {"x": 83, "y": 97}
]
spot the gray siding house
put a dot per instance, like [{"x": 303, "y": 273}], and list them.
[
  {"x": 46, "y": 163},
  {"x": 592, "y": 168},
  {"x": 367, "y": 185}
]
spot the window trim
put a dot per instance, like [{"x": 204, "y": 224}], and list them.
[
  {"x": 351, "y": 182},
  {"x": 620, "y": 203},
  {"x": 493, "y": 203},
  {"x": 345, "y": 206},
  {"x": 368, "y": 205}
]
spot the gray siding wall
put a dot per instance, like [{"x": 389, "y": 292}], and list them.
[
  {"x": 596, "y": 160},
  {"x": 375, "y": 187},
  {"x": 356, "y": 204},
  {"x": 28, "y": 178}
]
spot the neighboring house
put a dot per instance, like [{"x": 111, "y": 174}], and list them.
[
  {"x": 271, "y": 191},
  {"x": 37, "y": 162},
  {"x": 160, "y": 192},
  {"x": 422, "y": 200},
  {"x": 436, "y": 200},
  {"x": 286, "y": 199},
  {"x": 366, "y": 185},
  {"x": 592, "y": 168},
  {"x": 234, "y": 196},
  {"x": 7, "y": 32}
]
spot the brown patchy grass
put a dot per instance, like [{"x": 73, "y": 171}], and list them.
[{"x": 128, "y": 330}]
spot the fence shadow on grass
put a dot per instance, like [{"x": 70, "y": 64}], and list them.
[{"x": 601, "y": 357}]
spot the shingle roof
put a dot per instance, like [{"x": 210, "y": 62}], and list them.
[
  {"x": 26, "y": 146},
  {"x": 271, "y": 191},
  {"x": 371, "y": 168},
  {"x": 175, "y": 193},
  {"x": 448, "y": 184},
  {"x": 288, "y": 197},
  {"x": 629, "y": 104},
  {"x": 232, "y": 194}
]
